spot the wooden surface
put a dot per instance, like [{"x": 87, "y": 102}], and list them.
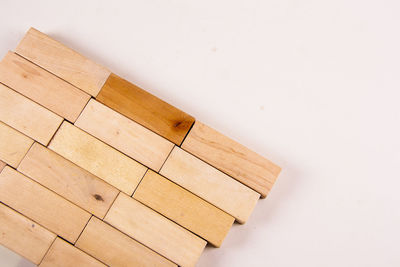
[
  {"x": 145, "y": 108},
  {"x": 114, "y": 248},
  {"x": 68, "y": 180},
  {"x": 155, "y": 231},
  {"x": 41, "y": 205},
  {"x": 13, "y": 145},
  {"x": 210, "y": 184},
  {"x": 42, "y": 87},
  {"x": 184, "y": 208},
  {"x": 61, "y": 253},
  {"x": 23, "y": 236},
  {"x": 98, "y": 158},
  {"x": 27, "y": 116},
  {"x": 232, "y": 158},
  {"x": 63, "y": 61},
  {"x": 124, "y": 134},
  {"x": 2, "y": 165}
]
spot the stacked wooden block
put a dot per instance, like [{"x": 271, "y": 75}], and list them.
[{"x": 96, "y": 171}]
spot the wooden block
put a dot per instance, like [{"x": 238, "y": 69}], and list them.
[
  {"x": 145, "y": 108},
  {"x": 68, "y": 180},
  {"x": 155, "y": 231},
  {"x": 231, "y": 158},
  {"x": 63, "y": 61},
  {"x": 184, "y": 208},
  {"x": 114, "y": 248},
  {"x": 27, "y": 116},
  {"x": 124, "y": 134},
  {"x": 41, "y": 205},
  {"x": 13, "y": 145},
  {"x": 42, "y": 87},
  {"x": 2, "y": 165},
  {"x": 210, "y": 184},
  {"x": 23, "y": 236},
  {"x": 98, "y": 158},
  {"x": 61, "y": 253}
]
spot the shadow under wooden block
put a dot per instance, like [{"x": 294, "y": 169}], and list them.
[
  {"x": 2, "y": 165},
  {"x": 114, "y": 248},
  {"x": 42, "y": 205},
  {"x": 24, "y": 236}
]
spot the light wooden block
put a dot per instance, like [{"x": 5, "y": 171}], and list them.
[
  {"x": 63, "y": 61},
  {"x": 184, "y": 208},
  {"x": 114, "y": 248},
  {"x": 61, "y": 253},
  {"x": 13, "y": 145},
  {"x": 145, "y": 108},
  {"x": 98, "y": 158},
  {"x": 42, "y": 87},
  {"x": 210, "y": 184},
  {"x": 155, "y": 231},
  {"x": 125, "y": 135},
  {"x": 27, "y": 116},
  {"x": 232, "y": 158},
  {"x": 42, "y": 205},
  {"x": 23, "y": 236},
  {"x": 68, "y": 180},
  {"x": 2, "y": 165}
]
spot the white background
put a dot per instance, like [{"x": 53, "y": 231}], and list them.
[{"x": 312, "y": 85}]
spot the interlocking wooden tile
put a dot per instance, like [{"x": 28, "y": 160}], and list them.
[
  {"x": 23, "y": 235},
  {"x": 98, "y": 158},
  {"x": 184, "y": 208},
  {"x": 210, "y": 184},
  {"x": 114, "y": 248},
  {"x": 61, "y": 253},
  {"x": 13, "y": 145},
  {"x": 155, "y": 231},
  {"x": 42, "y": 87},
  {"x": 68, "y": 180},
  {"x": 41, "y": 205},
  {"x": 232, "y": 158},
  {"x": 63, "y": 61},
  {"x": 27, "y": 116},
  {"x": 124, "y": 134}
]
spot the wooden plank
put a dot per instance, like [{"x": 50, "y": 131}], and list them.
[
  {"x": 114, "y": 248},
  {"x": 210, "y": 184},
  {"x": 63, "y": 61},
  {"x": 61, "y": 253},
  {"x": 125, "y": 135},
  {"x": 27, "y": 116},
  {"x": 41, "y": 205},
  {"x": 23, "y": 236},
  {"x": 184, "y": 208},
  {"x": 13, "y": 145},
  {"x": 68, "y": 180},
  {"x": 2, "y": 165},
  {"x": 232, "y": 158},
  {"x": 42, "y": 87},
  {"x": 98, "y": 158},
  {"x": 155, "y": 231},
  {"x": 145, "y": 108}
]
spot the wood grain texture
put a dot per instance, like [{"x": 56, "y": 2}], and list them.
[
  {"x": 155, "y": 231},
  {"x": 61, "y": 253},
  {"x": 41, "y": 205},
  {"x": 42, "y": 87},
  {"x": 210, "y": 184},
  {"x": 23, "y": 236},
  {"x": 63, "y": 61},
  {"x": 98, "y": 158},
  {"x": 2, "y": 165},
  {"x": 27, "y": 116},
  {"x": 68, "y": 180},
  {"x": 114, "y": 248},
  {"x": 184, "y": 208},
  {"x": 125, "y": 135},
  {"x": 13, "y": 145},
  {"x": 145, "y": 108},
  {"x": 232, "y": 158}
]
